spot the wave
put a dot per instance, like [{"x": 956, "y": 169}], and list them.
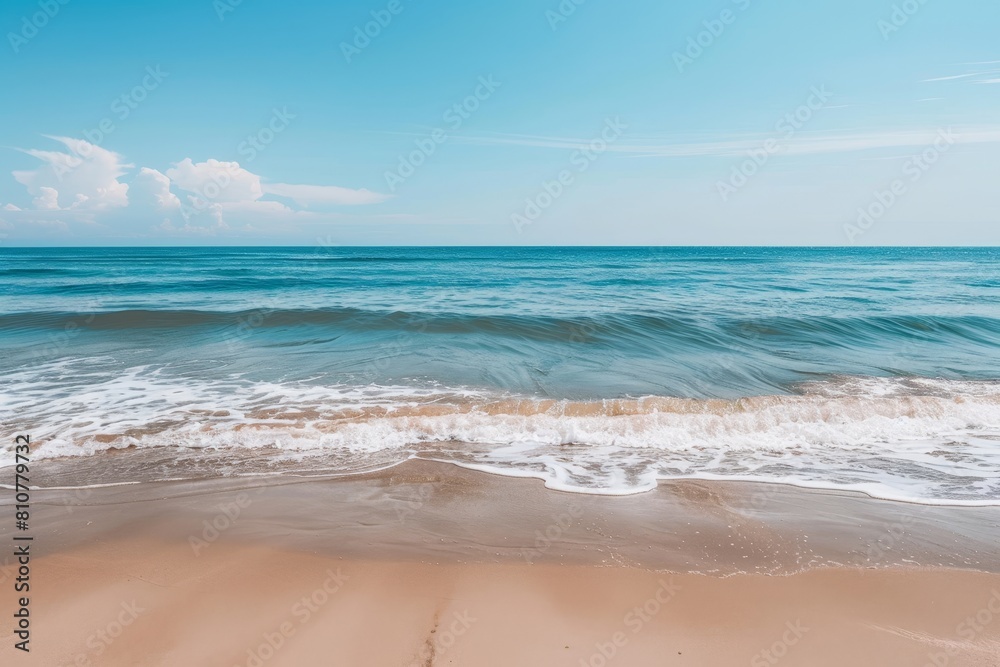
[
  {"x": 917, "y": 439},
  {"x": 831, "y": 330}
]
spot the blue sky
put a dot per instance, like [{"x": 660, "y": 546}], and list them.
[{"x": 534, "y": 122}]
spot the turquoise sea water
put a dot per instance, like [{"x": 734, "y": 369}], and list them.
[{"x": 597, "y": 369}]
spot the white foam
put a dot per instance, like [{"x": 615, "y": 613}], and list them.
[{"x": 917, "y": 440}]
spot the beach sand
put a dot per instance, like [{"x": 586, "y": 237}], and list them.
[{"x": 430, "y": 564}]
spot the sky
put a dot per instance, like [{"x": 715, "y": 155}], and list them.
[{"x": 527, "y": 122}]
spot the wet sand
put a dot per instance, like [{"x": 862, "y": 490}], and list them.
[{"x": 430, "y": 564}]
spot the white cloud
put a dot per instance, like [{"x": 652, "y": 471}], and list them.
[
  {"x": 803, "y": 143},
  {"x": 989, "y": 73},
  {"x": 81, "y": 186},
  {"x": 151, "y": 189},
  {"x": 949, "y": 78},
  {"x": 84, "y": 177},
  {"x": 261, "y": 206},
  {"x": 216, "y": 181},
  {"x": 307, "y": 195},
  {"x": 47, "y": 199}
]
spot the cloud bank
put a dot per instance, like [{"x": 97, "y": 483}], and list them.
[{"x": 86, "y": 183}]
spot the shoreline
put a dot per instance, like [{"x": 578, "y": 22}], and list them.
[
  {"x": 684, "y": 526},
  {"x": 150, "y": 462},
  {"x": 430, "y": 564}
]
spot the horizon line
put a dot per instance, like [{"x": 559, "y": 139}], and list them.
[{"x": 576, "y": 246}]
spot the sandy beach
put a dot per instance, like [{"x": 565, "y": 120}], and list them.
[{"x": 431, "y": 564}]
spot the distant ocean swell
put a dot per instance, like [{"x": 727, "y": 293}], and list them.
[
  {"x": 843, "y": 329},
  {"x": 741, "y": 344}
]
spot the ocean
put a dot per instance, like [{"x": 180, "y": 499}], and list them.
[{"x": 598, "y": 370}]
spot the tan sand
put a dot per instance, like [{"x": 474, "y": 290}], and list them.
[{"x": 431, "y": 565}]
